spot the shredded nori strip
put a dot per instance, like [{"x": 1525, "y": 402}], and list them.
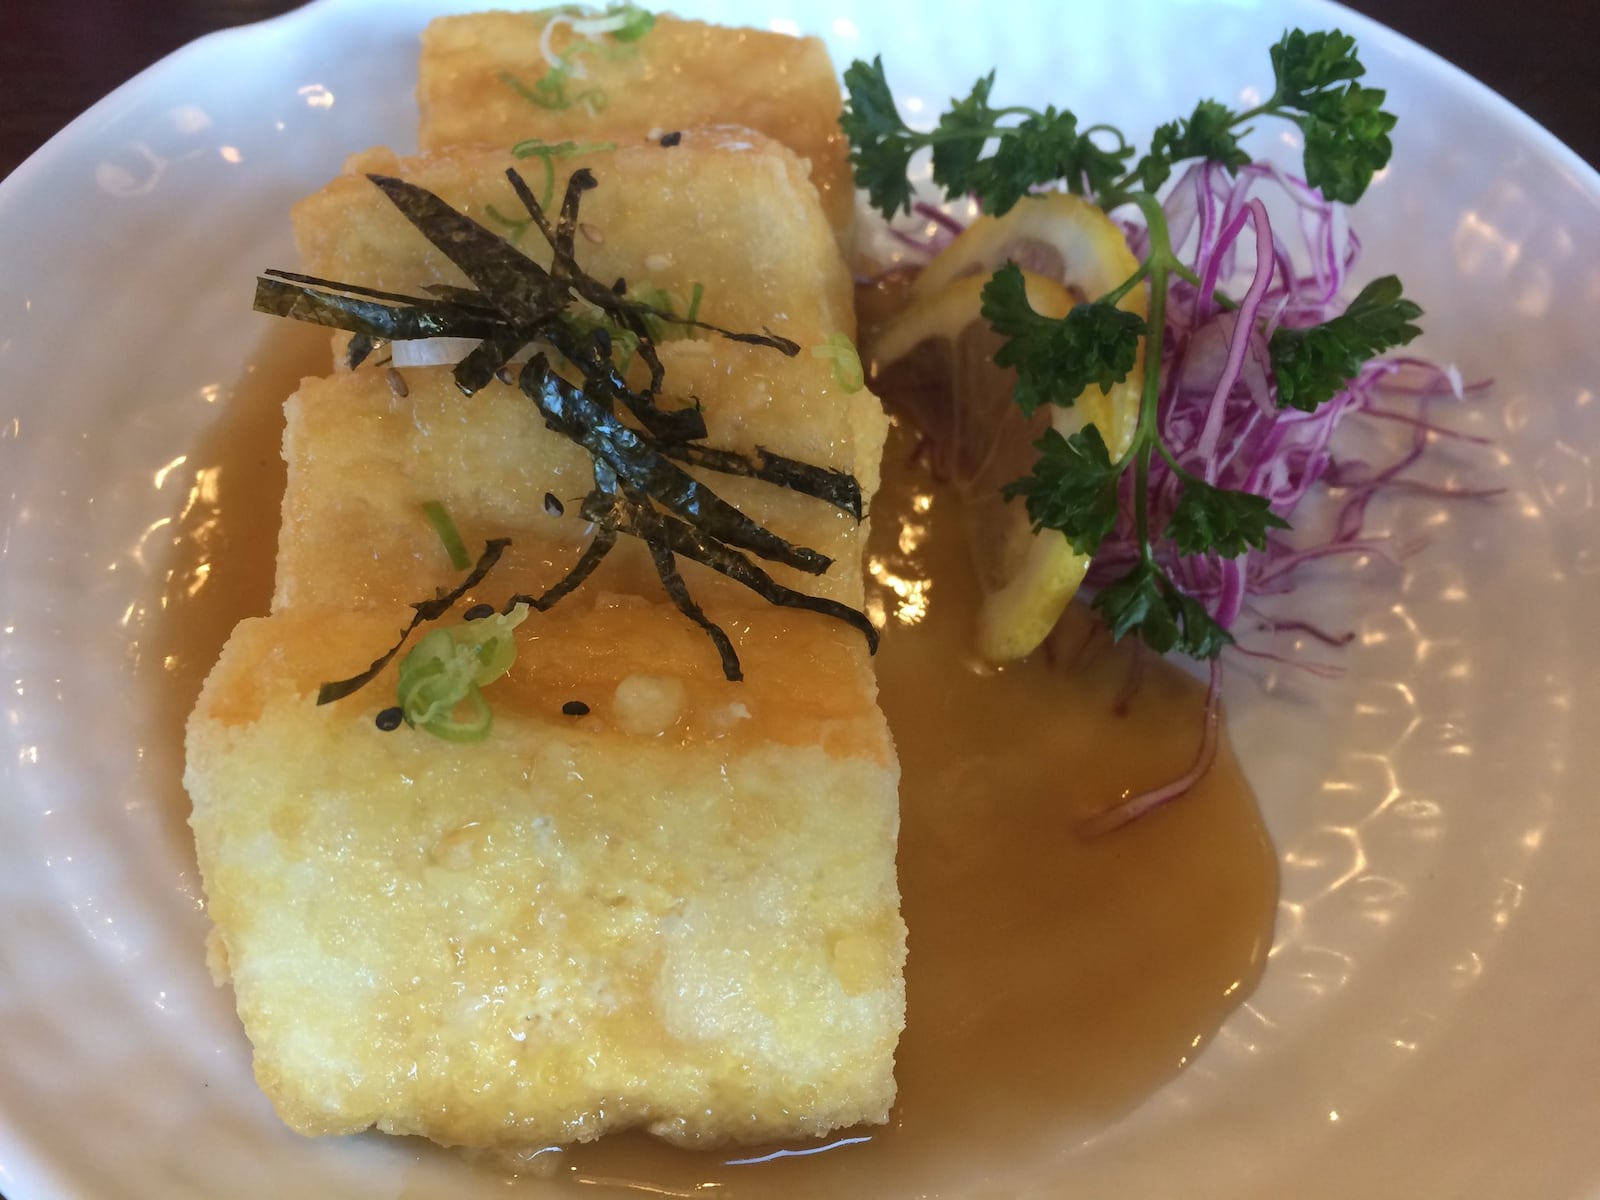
[
  {"x": 599, "y": 546},
  {"x": 647, "y": 522},
  {"x": 639, "y": 489},
  {"x": 358, "y": 348},
  {"x": 573, "y": 414},
  {"x": 422, "y": 612},
  {"x": 362, "y": 315},
  {"x": 838, "y": 488}
]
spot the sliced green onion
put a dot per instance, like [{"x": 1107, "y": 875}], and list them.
[
  {"x": 847, "y": 372},
  {"x": 636, "y": 22},
  {"x": 441, "y": 679},
  {"x": 449, "y": 535},
  {"x": 548, "y": 152},
  {"x": 515, "y": 229}
]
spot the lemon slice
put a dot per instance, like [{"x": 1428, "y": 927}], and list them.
[{"x": 938, "y": 353}]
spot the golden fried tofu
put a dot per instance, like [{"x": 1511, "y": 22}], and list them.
[
  {"x": 363, "y": 460},
  {"x": 678, "y": 911},
  {"x": 493, "y": 78},
  {"x": 671, "y": 905},
  {"x": 727, "y": 209}
]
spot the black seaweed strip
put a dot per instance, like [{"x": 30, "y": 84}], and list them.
[
  {"x": 359, "y": 347},
  {"x": 579, "y": 182},
  {"x": 531, "y": 203},
  {"x": 478, "y": 368},
  {"x": 838, "y": 488},
  {"x": 577, "y": 417},
  {"x": 627, "y": 314},
  {"x": 686, "y": 540},
  {"x": 302, "y": 303},
  {"x": 439, "y": 302},
  {"x": 670, "y": 425},
  {"x": 649, "y": 525},
  {"x": 564, "y": 267},
  {"x": 426, "y": 610},
  {"x": 599, "y": 546},
  {"x": 508, "y": 278},
  {"x": 765, "y": 338},
  {"x": 465, "y": 297}
]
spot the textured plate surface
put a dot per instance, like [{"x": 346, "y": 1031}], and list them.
[{"x": 1427, "y": 1024}]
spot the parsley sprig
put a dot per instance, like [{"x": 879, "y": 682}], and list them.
[
  {"x": 1345, "y": 128},
  {"x": 1075, "y": 486}
]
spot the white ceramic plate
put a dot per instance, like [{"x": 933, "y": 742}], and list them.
[{"x": 1429, "y": 1023}]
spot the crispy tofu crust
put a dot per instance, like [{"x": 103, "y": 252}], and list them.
[
  {"x": 679, "y": 75},
  {"x": 364, "y": 460},
  {"x": 673, "y": 907},
  {"x": 663, "y": 914},
  {"x": 726, "y": 208}
]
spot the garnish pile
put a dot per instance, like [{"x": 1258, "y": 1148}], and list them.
[
  {"x": 1233, "y": 428},
  {"x": 639, "y": 448}
]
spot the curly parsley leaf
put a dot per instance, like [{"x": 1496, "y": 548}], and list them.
[
  {"x": 881, "y": 145},
  {"x": 1146, "y": 601},
  {"x": 1207, "y": 133},
  {"x": 1311, "y": 365},
  {"x": 1345, "y": 127},
  {"x": 1202, "y": 637},
  {"x": 1220, "y": 520},
  {"x": 1073, "y": 487},
  {"x": 961, "y": 135},
  {"x": 1347, "y": 147},
  {"x": 1042, "y": 147},
  {"x": 1055, "y": 361},
  {"x": 1045, "y": 146},
  {"x": 1306, "y": 64}
]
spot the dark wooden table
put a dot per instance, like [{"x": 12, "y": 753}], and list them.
[{"x": 57, "y": 57}]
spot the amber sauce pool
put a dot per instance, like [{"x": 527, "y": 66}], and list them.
[
  {"x": 226, "y": 531},
  {"x": 1054, "y": 980}
]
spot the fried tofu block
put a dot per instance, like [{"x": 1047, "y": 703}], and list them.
[
  {"x": 677, "y": 912},
  {"x": 363, "y": 460},
  {"x": 480, "y": 80},
  {"x": 727, "y": 209}
]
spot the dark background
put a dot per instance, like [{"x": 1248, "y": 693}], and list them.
[{"x": 57, "y": 57}]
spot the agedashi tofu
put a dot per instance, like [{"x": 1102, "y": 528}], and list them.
[
  {"x": 628, "y": 875},
  {"x": 362, "y": 462},
  {"x": 501, "y": 78},
  {"x": 677, "y": 911},
  {"x": 725, "y": 210}
]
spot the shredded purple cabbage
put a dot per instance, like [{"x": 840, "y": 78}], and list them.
[
  {"x": 1219, "y": 416},
  {"x": 1218, "y": 411}
]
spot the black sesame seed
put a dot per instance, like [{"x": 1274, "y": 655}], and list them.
[
  {"x": 553, "y": 505},
  {"x": 389, "y": 719},
  {"x": 575, "y": 708},
  {"x": 671, "y": 139},
  {"x": 503, "y": 375},
  {"x": 478, "y": 612}
]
